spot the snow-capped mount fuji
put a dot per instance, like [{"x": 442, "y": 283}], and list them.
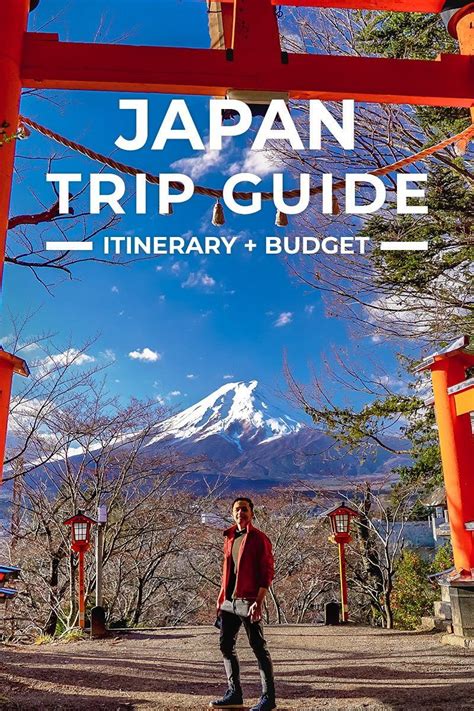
[
  {"x": 239, "y": 433},
  {"x": 236, "y": 412}
]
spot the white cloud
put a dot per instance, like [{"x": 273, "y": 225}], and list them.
[
  {"x": 146, "y": 355},
  {"x": 208, "y": 280},
  {"x": 309, "y": 309},
  {"x": 409, "y": 316},
  {"x": 228, "y": 377},
  {"x": 162, "y": 297},
  {"x": 109, "y": 354},
  {"x": 429, "y": 315},
  {"x": 284, "y": 319},
  {"x": 24, "y": 413},
  {"x": 391, "y": 382},
  {"x": 203, "y": 163},
  {"x": 291, "y": 42},
  {"x": 159, "y": 268},
  {"x": 115, "y": 290},
  {"x": 175, "y": 393},
  {"x": 199, "y": 279},
  {"x": 26, "y": 348},
  {"x": 191, "y": 376},
  {"x": 71, "y": 356},
  {"x": 424, "y": 386},
  {"x": 259, "y": 162}
]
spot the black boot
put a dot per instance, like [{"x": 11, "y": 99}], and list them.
[
  {"x": 266, "y": 703},
  {"x": 232, "y": 699}
]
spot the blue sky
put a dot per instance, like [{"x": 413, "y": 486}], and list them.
[{"x": 203, "y": 320}]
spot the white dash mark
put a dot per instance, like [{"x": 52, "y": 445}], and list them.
[
  {"x": 404, "y": 246},
  {"x": 69, "y": 246}
]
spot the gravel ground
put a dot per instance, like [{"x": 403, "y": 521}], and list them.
[{"x": 180, "y": 668}]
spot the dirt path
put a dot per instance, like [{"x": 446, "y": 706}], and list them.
[{"x": 316, "y": 668}]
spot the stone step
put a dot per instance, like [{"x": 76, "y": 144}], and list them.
[
  {"x": 429, "y": 624},
  {"x": 442, "y": 610},
  {"x": 456, "y": 641}
]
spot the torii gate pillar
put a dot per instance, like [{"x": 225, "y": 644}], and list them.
[
  {"x": 460, "y": 24},
  {"x": 13, "y": 24},
  {"x": 453, "y": 400},
  {"x": 453, "y": 404},
  {"x": 9, "y": 364}
]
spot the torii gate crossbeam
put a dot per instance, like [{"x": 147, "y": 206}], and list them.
[
  {"x": 252, "y": 60},
  {"x": 389, "y": 5},
  {"x": 50, "y": 64}
]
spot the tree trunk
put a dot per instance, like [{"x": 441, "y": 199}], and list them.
[
  {"x": 52, "y": 621},
  {"x": 137, "y": 613},
  {"x": 388, "y": 605},
  {"x": 371, "y": 573}
]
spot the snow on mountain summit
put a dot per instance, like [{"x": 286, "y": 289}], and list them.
[{"x": 236, "y": 412}]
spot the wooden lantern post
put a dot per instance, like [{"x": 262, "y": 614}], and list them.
[
  {"x": 340, "y": 518},
  {"x": 80, "y": 544}
]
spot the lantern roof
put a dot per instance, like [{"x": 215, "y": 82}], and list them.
[
  {"x": 18, "y": 365},
  {"x": 10, "y": 570},
  {"x": 341, "y": 508},
  {"x": 80, "y": 517}
]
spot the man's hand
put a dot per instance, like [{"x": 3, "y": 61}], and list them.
[{"x": 255, "y": 611}]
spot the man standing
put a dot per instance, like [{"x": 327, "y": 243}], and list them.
[{"x": 247, "y": 574}]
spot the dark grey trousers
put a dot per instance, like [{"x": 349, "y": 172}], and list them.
[{"x": 230, "y": 625}]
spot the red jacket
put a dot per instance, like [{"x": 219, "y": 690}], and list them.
[{"x": 255, "y": 567}]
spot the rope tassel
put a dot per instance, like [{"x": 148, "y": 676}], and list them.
[
  {"x": 281, "y": 219},
  {"x": 23, "y": 132},
  {"x": 218, "y": 217},
  {"x": 460, "y": 147}
]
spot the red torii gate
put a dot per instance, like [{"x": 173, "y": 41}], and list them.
[
  {"x": 453, "y": 399},
  {"x": 251, "y": 60}
]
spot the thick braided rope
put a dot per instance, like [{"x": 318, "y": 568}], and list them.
[{"x": 462, "y": 138}]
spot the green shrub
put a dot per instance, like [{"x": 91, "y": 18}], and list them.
[
  {"x": 413, "y": 595},
  {"x": 74, "y": 635},
  {"x": 443, "y": 559},
  {"x": 43, "y": 639}
]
